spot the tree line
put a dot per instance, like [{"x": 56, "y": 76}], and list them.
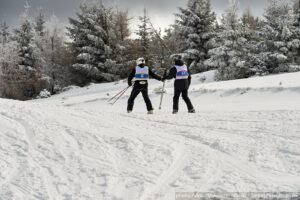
[{"x": 97, "y": 45}]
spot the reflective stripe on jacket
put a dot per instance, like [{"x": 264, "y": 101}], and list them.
[
  {"x": 182, "y": 72},
  {"x": 141, "y": 73}
]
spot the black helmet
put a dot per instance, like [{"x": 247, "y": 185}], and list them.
[{"x": 176, "y": 57}]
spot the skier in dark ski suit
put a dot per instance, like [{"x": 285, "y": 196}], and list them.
[
  {"x": 181, "y": 85},
  {"x": 141, "y": 74}
]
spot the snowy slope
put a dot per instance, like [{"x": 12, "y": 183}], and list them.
[{"x": 244, "y": 137}]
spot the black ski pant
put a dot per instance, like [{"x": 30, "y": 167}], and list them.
[
  {"x": 133, "y": 95},
  {"x": 185, "y": 97}
]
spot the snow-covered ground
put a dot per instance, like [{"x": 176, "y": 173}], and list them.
[{"x": 244, "y": 137}]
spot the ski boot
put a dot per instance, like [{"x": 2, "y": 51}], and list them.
[
  {"x": 192, "y": 111},
  {"x": 129, "y": 111},
  {"x": 150, "y": 112},
  {"x": 175, "y": 112}
]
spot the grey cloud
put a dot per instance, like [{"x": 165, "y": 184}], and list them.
[{"x": 160, "y": 11}]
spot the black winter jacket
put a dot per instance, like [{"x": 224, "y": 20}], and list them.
[{"x": 182, "y": 84}]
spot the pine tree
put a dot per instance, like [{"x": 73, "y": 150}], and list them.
[
  {"x": 25, "y": 81},
  {"x": 196, "y": 26},
  {"x": 40, "y": 22},
  {"x": 4, "y": 32},
  {"x": 249, "y": 20},
  {"x": 24, "y": 36},
  {"x": 251, "y": 31},
  {"x": 158, "y": 52},
  {"x": 54, "y": 54},
  {"x": 229, "y": 56},
  {"x": 171, "y": 39},
  {"x": 181, "y": 23},
  {"x": 39, "y": 39},
  {"x": 296, "y": 41},
  {"x": 9, "y": 59},
  {"x": 144, "y": 34},
  {"x": 93, "y": 36},
  {"x": 8, "y": 52},
  {"x": 121, "y": 25},
  {"x": 121, "y": 42},
  {"x": 278, "y": 36},
  {"x": 296, "y": 8},
  {"x": 172, "y": 43}
]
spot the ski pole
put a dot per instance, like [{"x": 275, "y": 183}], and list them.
[
  {"x": 159, "y": 38},
  {"x": 123, "y": 92},
  {"x": 163, "y": 88},
  {"x": 117, "y": 94}
]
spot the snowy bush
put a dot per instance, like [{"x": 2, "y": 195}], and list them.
[
  {"x": 294, "y": 68},
  {"x": 44, "y": 94}
]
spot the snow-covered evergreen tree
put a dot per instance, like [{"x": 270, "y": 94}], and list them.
[
  {"x": 4, "y": 32},
  {"x": 172, "y": 43},
  {"x": 25, "y": 81},
  {"x": 196, "y": 27},
  {"x": 39, "y": 39},
  {"x": 151, "y": 45},
  {"x": 144, "y": 36},
  {"x": 181, "y": 23},
  {"x": 93, "y": 36},
  {"x": 24, "y": 36},
  {"x": 296, "y": 50},
  {"x": 249, "y": 20},
  {"x": 278, "y": 36},
  {"x": 158, "y": 52},
  {"x": 229, "y": 56},
  {"x": 121, "y": 42},
  {"x": 54, "y": 53},
  {"x": 296, "y": 8},
  {"x": 251, "y": 31},
  {"x": 121, "y": 25},
  {"x": 171, "y": 39},
  {"x": 9, "y": 59},
  {"x": 40, "y": 22}
]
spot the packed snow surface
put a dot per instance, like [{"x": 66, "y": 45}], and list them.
[{"x": 244, "y": 137}]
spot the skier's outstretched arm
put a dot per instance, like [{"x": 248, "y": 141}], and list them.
[
  {"x": 131, "y": 76},
  {"x": 154, "y": 75},
  {"x": 172, "y": 74}
]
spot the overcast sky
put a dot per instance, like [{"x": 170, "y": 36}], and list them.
[{"x": 161, "y": 12}]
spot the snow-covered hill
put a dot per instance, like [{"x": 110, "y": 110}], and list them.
[{"x": 244, "y": 137}]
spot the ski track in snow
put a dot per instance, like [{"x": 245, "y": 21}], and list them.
[{"x": 79, "y": 147}]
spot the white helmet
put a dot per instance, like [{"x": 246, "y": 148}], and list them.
[{"x": 140, "y": 61}]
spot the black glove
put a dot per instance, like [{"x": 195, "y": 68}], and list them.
[{"x": 130, "y": 83}]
